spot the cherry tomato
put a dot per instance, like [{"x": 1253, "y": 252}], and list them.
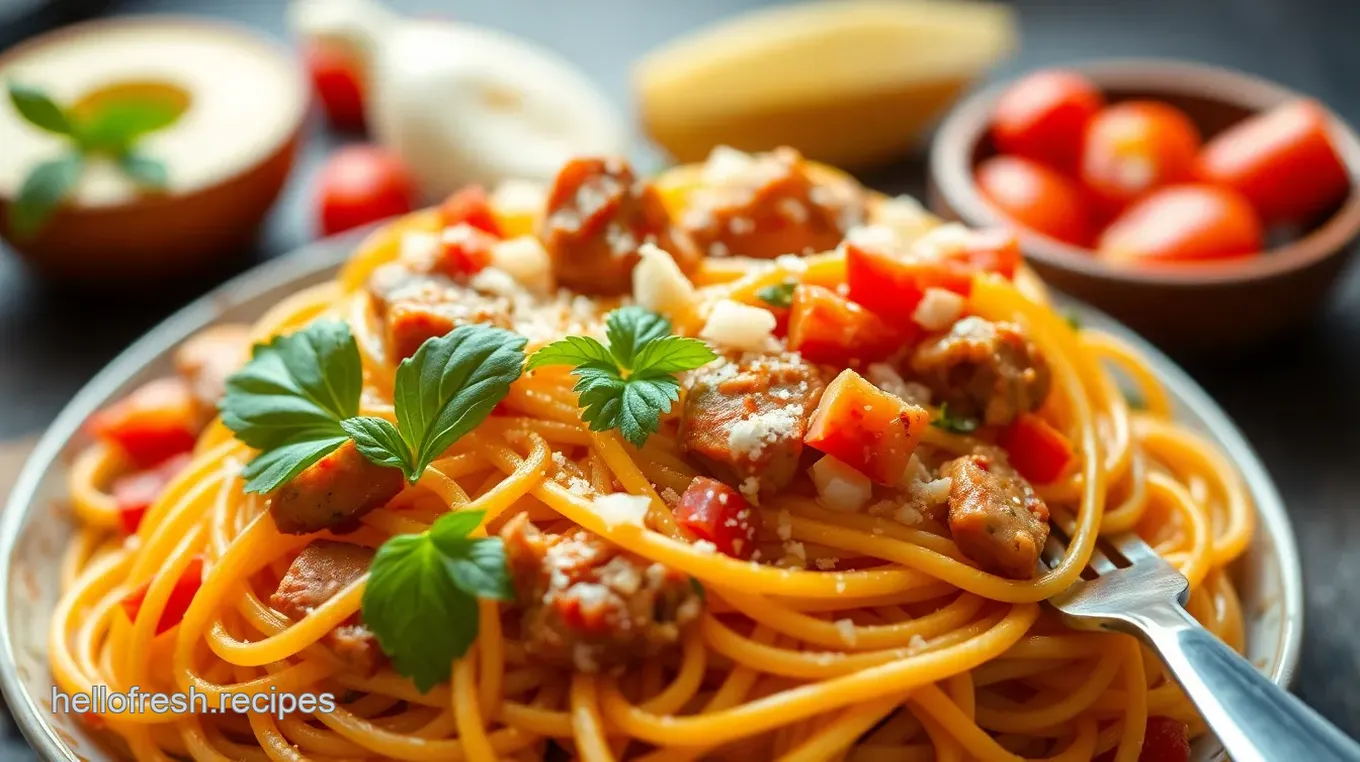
[
  {"x": 338, "y": 84},
  {"x": 1037, "y": 197},
  {"x": 362, "y": 184},
  {"x": 1282, "y": 160},
  {"x": 1044, "y": 115},
  {"x": 1182, "y": 223},
  {"x": 1134, "y": 147}
]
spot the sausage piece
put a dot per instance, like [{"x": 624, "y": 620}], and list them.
[
  {"x": 334, "y": 493},
  {"x": 415, "y": 307},
  {"x": 589, "y": 605},
  {"x": 747, "y": 416},
  {"x": 598, "y": 215},
  {"x": 994, "y": 516},
  {"x": 319, "y": 572},
  {"x": 207, "y": 358},
  {"x": 984, "y": 370},
  {"x": 768, "y": 204}
]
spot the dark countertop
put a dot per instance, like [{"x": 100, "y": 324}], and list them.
[{"x": 1298, "y": 401}]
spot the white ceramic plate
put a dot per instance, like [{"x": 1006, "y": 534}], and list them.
[{"x": 35, "y": 526}]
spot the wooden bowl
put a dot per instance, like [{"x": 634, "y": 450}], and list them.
[
  {"x": 1197, "y": 307},
  {"x": 228, "y": 155}
]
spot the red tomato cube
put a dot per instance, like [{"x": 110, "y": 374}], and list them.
[{"x": 867, "y": 428}]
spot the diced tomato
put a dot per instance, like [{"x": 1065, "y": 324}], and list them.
[
  {"x": 464, "y": 250},
  {"x": 713, "y": 511},
  {"x": 892, "y": 285},
  {"x": 186, "y": 587},
  {"x": 1166, "y": 740},
  {"x": 360, "y": 184},
  {"x": 151, "y": 424},
  {"x": 866, "y": 428},
  {"x": 1037, "y": 450},
  {"x": 828, "y": 328},
  {"x": 470, "y": 206},
  {"x": 582, "y": 616},
  {"x": 135, "y": 492},
  {"x": 1283, "y": 161}
]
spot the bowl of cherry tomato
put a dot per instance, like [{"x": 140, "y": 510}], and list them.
[{"x": 1204, "y": 207}]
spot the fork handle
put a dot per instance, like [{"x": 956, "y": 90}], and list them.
[{"x": 1256, "y": 720}]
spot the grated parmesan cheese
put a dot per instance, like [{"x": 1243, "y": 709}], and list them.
[
  {"x": 660, "y": 286},
  {"x": 784, "y": 529},
  {"x": 516, "y": 196},
  {"x": 704, "y": 546},
  {"x": 797, "y": 554},
  {"x": 726, "y": 166},
  {"x": 622, "y": 508},
  {"x": 419, "y": 249},
  {"x": 748, "y": 436},
  {"x": 750, "y": 489},
  {"x": 739, "y": 326},
  {"x": 846, "y": 629},
  {"x": 826, "y": 564},
  {"x": 840, "y": 487},
  {"x": 943, "y": 241},
  {"x": 938, "y": 309},
  {"x": 917, "y": 643}
]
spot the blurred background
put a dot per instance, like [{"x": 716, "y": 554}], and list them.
[{"x": 1296, "y": 397}]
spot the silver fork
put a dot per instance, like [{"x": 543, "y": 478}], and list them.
[{"x": 1131, "y": 589}]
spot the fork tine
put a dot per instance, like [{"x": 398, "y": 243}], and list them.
[
  {"x": 1133, "y": 548},
  {"x": 1054, "y": 551},
  {"x": 1101, "y": 562}
]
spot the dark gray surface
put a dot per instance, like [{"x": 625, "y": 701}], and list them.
[{"x": 1298, "y": 402}]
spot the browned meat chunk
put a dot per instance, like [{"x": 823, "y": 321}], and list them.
[
  {"x": 994, "y": 516},
  {"x": 747, "y": 416},
  {"x": 768, "y": 204},
  {"x": 416, "y": 307},
  {"x": 207, "y": 358},
  {"x": 334, "y": 493},
  {"x": 598, "y": 215},
  {"x": 591, "y": 606},
  {"x": 321, "y": 570},
  {"x": 984, "y": 370}
]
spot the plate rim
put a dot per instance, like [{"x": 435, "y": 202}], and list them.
[{"x": 311, "y": 259}]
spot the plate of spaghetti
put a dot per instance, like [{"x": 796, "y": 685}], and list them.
[{"x": 742, "y": 461}]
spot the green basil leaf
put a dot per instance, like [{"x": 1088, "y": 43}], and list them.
[
  {"x": 672, "y": 354},
  {"x": 779, "y": 295},
  {"x": 414, "y": 607},
  {"x": 144, "y": 170},
  {"x": 478, "y": 567},
  {"x": 456, "y": 525},
  {"x": 296, "y": 387},
  {"x": 42, "y": 193},
  {"x": 379, "y": 441},
  {"x": 451, "y": 384},
  {"x": 38, "y": 109},
  {"x": 572, "y": 350},
  {"x": 278, "y": 465},
  {"x": 628, "y": 329},
  {"x": 118, "y": 123}
]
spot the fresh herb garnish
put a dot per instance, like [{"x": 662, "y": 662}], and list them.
[
  {"x": 289, "y": 400},
  {"x": 1073, "y": 319},
  {"x": 110, "y": 128},
  {"x": 956, "y": 424},
  {"x": 630, "y": 383},
  {"x": 298, "y": 398},
  {"x": 778, "y": 295},
  {"x": 448, "y": 387},
  {"x": 698, "y": 588},
  {"x": 422, "y": 591}
]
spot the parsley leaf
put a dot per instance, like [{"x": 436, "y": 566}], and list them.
[
  {"x": 443, "y": 391},
  {"x": 288, "y": 401},
  {"x": 628, "y": 329},
  {"x": 421, "y": 597},
  {"x": 46, "y": 186},
  {"x": 630, "y": 383},
  {"x": 957, "y": 424},
  {"x": 778, "y": 295}
]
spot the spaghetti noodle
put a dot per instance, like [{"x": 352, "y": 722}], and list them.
[{"x": 888, "y": 643}]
